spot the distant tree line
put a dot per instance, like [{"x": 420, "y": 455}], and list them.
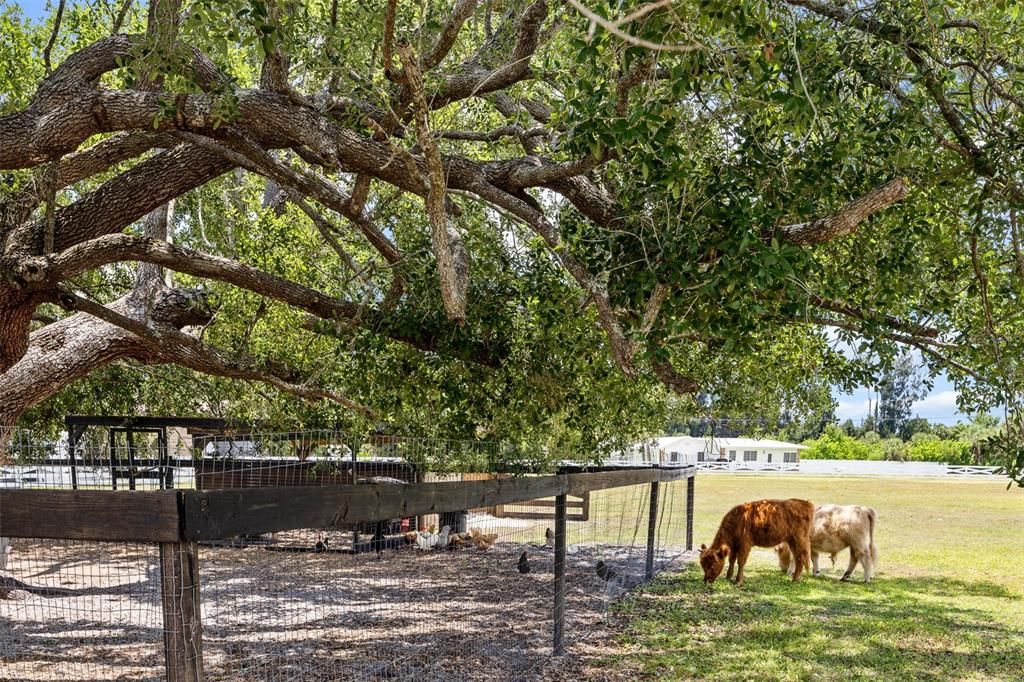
[{"x": 917, "y": 441}]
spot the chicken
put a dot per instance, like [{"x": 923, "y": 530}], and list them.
[
  {"x": 459, "y": 540},
  {"x": 432, "y": 540},
  {"x": 604, "y": 571},
  {"x": 523, "y": 566},
  {"x": 549, "y": 537},
  {"x": 617, "y": 584},
  {"x": 483, "y": 541},
  {"x": 321, "y": 544}
]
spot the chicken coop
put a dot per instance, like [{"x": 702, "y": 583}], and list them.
[{"x": 376, "y": 566}]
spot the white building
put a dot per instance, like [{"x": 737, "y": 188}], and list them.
[{"x": 690, "y": 450}]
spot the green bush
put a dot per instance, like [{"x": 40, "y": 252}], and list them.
[
  {"x": 927, "y": 447},
  {"x": 894, "y": 449},
  {"x": 835, "y": 444}
]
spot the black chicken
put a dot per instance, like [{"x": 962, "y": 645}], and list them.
[
  {"x": 523, "y": 566},
  {"x": 605, "y": 572}
]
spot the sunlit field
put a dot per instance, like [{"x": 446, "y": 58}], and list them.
[{"x": 947, "y": 602}]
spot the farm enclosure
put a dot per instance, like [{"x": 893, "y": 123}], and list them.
[{"x": 265, "y": 583}]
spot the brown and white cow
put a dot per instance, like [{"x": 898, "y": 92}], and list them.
[
  {"x": 835, "y": 528},
  {"x": 762, "y": 523}
]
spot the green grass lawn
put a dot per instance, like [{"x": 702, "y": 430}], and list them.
[{"x": 947, "y": 602}]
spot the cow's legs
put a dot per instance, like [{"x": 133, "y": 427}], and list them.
[
  {"x": 744, "y": 551},
  {"x": 802, "y": 552},
  {"x": 867, "y": 564},
  {"x": 732, "y": 563},
  {"x": 854, "y": 555},
  {"x": 814, "y": 561}
]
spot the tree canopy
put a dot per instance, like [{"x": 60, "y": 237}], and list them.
[{"x": 507, "y": 218}]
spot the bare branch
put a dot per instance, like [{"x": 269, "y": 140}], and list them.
[
  {"x": 847, "y": 219},
  {"x": 654, "y": 303},
  {"x": 873, "y": 317},
  {"x": 613, "y": 28},
  {"x": 324, "y": 228},
  {"x": 492, "y": 135},
  {"x": 247, "y": 155},
  {"x": 119, "y": 19},
  {"x": 669, "y": 376},
  {"x": 449, "y": 251},
  {"x": 53, "y": 37},
  {"x": 172, "y": 345},
  {"x": 462, "y": 10},
  {"x": 388, "y": 42}
]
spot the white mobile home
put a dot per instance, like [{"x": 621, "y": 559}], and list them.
[
  {"x": 689, "y": 450},
  {"x": 760, "y": 451}
]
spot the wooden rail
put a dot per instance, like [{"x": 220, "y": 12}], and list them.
[
  {"x": 149, "y": 516},
  {"x": 189, "y": 515}
]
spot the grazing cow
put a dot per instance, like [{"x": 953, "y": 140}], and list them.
[
  {"x": 764, "y": 523},
  {"x": 835, "y": 528}
]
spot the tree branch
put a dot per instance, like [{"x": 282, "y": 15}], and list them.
[
  {"x": 847, "y": 219},
  {"x": 53, "y": 37},
  {"x": 52, "y": 269},
  {"x": 172, "y": 345},
  {"x": 462, "y": 10},
  {"x": 449, "y": 251}
]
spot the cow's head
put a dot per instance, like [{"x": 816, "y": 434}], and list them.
[
  {"x": 785, "y": 557},
  {"x": 712, "y": 560}
]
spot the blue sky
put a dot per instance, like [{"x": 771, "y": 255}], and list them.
[
  {"x": 33, "y": 8},
  {"x": 939, "y": 405}
]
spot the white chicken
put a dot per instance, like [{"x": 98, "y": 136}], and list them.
[
  {"x": 431, "y": 540},
  {"x": 5, "y": 549}
]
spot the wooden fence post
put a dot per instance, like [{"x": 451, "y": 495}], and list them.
[
  {"x": 183, "y": 630},
  {"x": 689, "y": 512},
  {"x": 652, "y": 531},
  {"x": 560, "y": 507}
]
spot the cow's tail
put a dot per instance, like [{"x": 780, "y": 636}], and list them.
[{"x": 871, "y": 538}]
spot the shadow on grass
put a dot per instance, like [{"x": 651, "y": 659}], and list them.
[{"x": 928, "y": 628}]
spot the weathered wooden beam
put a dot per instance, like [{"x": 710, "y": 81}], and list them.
[
  {"x": 580, "y": 483},
  {"x": 214, "y": 514},
  {"x": 169, "y": 515},
  {"x": 146, "y": 516},
  {"x": 183, "y": 629}
]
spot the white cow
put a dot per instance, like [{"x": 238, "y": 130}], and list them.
[{"x": 835, "y": 528}]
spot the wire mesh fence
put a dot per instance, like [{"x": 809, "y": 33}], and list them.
[{"x": 470, "y": 593}]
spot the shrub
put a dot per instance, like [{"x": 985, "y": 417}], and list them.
[
  {"x": 835, "y": 444},
  {"x": 933, "y": 449}
]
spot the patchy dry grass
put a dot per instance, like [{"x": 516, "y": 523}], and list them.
[{"x": 948, "y": 602}]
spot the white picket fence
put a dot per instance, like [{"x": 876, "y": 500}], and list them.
[{"x": 835, "y": 467}]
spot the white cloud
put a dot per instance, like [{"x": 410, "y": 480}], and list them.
[
  {"x": 936, "y": 406},
  {"x": 852, "y": 409}
]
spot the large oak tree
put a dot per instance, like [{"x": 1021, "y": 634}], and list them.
[{"x": 539, "y": 208}]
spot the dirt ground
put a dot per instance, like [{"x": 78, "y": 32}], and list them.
[{"x": 294, "y": 614}]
